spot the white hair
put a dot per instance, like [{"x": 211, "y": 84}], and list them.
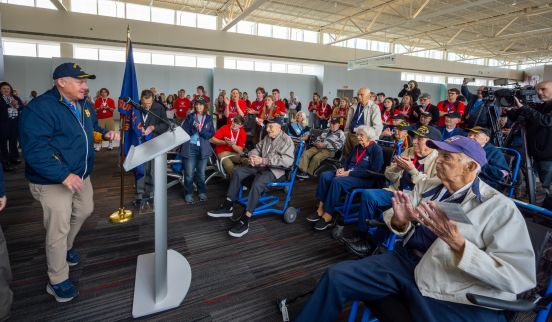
[
  {"x": 368, "y": 130},
  {"x": 466, "y": 159},
  {"x": 305, "y": 120}
]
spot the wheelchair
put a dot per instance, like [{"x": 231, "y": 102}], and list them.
[
  {"x": 267, "y": 203},
  {"x": 534, "y": 305},
  {"x": 513, "y": 158}
]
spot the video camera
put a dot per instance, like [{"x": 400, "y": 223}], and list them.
[{"x": 527, "y": 95}]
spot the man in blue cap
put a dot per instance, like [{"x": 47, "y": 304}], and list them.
[
  {"x": 267, "y": 162},
  {"x": 439, "y": 259},
  {"x": 58, "y": 145}
]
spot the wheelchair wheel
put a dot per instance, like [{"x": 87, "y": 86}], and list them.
[{"x": 290, "y": 215}]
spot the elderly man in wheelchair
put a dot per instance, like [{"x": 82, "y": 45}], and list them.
[
  {"x": 267, "y": 162},
  {"x": 459, "y": 236}
]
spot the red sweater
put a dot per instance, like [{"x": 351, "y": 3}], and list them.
[{"x": 104, "y": 107}]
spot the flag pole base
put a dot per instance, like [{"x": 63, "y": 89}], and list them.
[{"x": 121, "y": 216}]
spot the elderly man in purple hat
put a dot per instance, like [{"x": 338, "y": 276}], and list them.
[{"x": 440, "y": 259}]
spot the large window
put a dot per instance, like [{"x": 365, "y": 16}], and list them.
[
  {"x": 162, "y": 15},
  {"x": 47, "y": 4},
  {"x": 190, "y": 19},
  {"x": 268, "y": 66},
  {"x": 111, "y": 8},
  {"x": 30, "y": 48},
  {"x": 82, "y": 52},
  {"x": 423, "y": 78}
]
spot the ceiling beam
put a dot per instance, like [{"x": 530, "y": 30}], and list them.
[
  {"x": 506, "y": 27},
  {"x": 420, "y": 9},
  {"x": 246, "y": 12},
  {"x": 59, "y": 4},
  {"x": 455, "y": 35}
]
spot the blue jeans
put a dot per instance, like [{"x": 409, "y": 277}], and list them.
[
  {"x": 331, "y": 188},
  {"x": 373, "y": 203},
  {"x": 378, "y": 276},
  {"x": 194, "y": 162},
  {"x": 321, "y": 124}
]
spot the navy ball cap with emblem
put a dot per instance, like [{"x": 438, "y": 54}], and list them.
[{"x": 71, "y": 70}]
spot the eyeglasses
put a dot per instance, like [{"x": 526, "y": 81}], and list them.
[
  {"x": 424, "y": 99},
  {"x": 452, "y": 93}
]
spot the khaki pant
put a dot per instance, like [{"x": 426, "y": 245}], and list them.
[
  {"x": 350, "y": 142},
  {"x": 64, "y": 214},
  {"x": 229, "y": 163},
  {"x": 311, "y": 159},
  {"x": 108, "y": 124},
  {"x": 291, "y": 114}
]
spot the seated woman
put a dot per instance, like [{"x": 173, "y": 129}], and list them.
[
  {"x": 196, "y": 152},
  {"x": 366, "y": 156},
  {"x": 298, "y": 129}
]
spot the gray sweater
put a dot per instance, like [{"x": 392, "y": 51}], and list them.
[
  {"x": 278, "y": 153},
  {"x": 333, "y": 141}
]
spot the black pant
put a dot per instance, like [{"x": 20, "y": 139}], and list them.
[
  {"x": 9, "y": 135},
  {"x": 262, "y": 177}
]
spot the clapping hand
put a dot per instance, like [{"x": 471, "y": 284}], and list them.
[
  {"x": 403, "y": 163},
  {"x": 433, "y": 217}
]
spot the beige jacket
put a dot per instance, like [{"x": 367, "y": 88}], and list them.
[
  {"x": 498, "y": 259},
  {"x": 278, "y": 153},
  {"x": 393, "y": 173},
  {"x": 372, "y": 117}
]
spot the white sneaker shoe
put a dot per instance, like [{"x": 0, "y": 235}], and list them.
[{"x": 110, "y": 146}]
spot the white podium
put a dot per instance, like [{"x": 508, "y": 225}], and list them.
[{"x": 162, "y": 278}]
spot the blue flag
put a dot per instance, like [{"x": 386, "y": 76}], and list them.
[{"x": 132, "y": 118}]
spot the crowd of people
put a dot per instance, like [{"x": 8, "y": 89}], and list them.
[{"x": 442, "y": 155}]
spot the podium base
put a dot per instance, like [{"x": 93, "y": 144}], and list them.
[{"x": 179, "y": 277}]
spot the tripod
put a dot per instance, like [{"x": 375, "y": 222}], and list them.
[{"x": 492, "y": 112}]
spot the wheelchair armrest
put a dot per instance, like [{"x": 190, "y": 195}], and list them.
[
  {"x": 491, "y": 302},
  {"x": 277, "y": 184},
  {"x": 228, "y": 156},
  {"x": 173, "y": 161}
]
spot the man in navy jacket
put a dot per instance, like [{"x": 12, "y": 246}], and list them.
[
  {"x": 496, "y": 168},
  {"x": 58, "y": 146}
]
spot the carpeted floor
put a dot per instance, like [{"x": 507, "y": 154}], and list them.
[{"x": 232, "y": 279}]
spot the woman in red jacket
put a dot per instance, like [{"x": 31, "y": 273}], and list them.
[{"x": 104, "y": 107}]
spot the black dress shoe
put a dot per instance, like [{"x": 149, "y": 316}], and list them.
[
  {"x": 361, "y": 248},
  {"x": 355, "y": 237}
]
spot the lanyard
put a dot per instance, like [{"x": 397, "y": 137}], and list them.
[
  {"x": 359, "y": 157},
  {"x": 420, "y": 165},
  {"x": 450, "y": 106},
  {"x": 234, "y": 106},
  {"x": 361, "y": 114},
  {"x": 201, "y": 122},
  {"x": 234, "y": 139},
  {"x": 386, "y": 115}
]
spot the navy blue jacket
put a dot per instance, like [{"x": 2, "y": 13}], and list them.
[
  {"x": 471, "y": 114},
  {"x": 206, "y": 133},
  {"x": 2, "y": 191},
  {"x": 457, "y": 131},
  {"x": 491, "y": 172},
  {"x": 372, "y": 160},
  {"x": 55, "y": 142}
]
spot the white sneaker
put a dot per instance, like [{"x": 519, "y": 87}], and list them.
[
  {"x": 97, "y": 148},
  {"x": 110, "y": 146}
]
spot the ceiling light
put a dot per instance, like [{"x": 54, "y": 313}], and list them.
[{"x": 514, "y": 3}]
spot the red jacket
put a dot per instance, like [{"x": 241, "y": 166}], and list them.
[
  {"x": 446, "y": 106},
  {"x": 181, "y": 107},
  {"x": 324, "y": 111},
  {"x": 104, "y": 108},
  {"x": 233, "y": 110}
]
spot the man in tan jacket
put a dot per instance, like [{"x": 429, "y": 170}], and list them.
[
  {"x": 486, "y": 251},
  {"x": 365, "y": 112},
  {"x": 267, "y": 163}
]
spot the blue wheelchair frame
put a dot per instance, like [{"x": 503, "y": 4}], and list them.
[
  {"x": 267, "y": 203},
  {"x": 515, "y": 171}
]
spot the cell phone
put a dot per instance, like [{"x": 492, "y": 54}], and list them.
[{"x": 469, "y": 80}]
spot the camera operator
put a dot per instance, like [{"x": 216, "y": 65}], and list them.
[
  {"x": 475, "y": 115},
  {"x": 411, "y": 88},
  {"x": 538, "y": 122}
]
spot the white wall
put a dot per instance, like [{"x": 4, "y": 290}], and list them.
[{"x": 248, "y": 81}]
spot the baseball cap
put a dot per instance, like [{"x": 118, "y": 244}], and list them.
[
  {"x": 405, "y": 126},
  {"x": 277, "y": 120},
  {"x": 71, "y": 70},
  {"x": 398, "y": 117},
  {"x": 461, "y": 144},
  {"x": 454, "y": 115},
  {"x": 334, "y": 120},
  {"x": 480, "y": 129},
  {"x": 426, "y": 132},
  {"x": 425, "y": 113}
]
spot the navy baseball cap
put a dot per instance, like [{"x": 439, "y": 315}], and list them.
[
  {"x": 461, "y": 144},
  {"x": 480, "y": 129},
  {"x": 403, "y": 126},
  {"x": 278, "y": 120},
  {"x": 454, "y": 115},
  {"x": 71, "y": 70},
  {"x": 427, "y": 132}
]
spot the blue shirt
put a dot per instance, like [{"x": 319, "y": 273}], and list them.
[
  {"x": 73, "y": 108},
  {"x": 358, "y": 118}
]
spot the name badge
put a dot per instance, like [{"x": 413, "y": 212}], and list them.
[{"x": 198, "y": 143}]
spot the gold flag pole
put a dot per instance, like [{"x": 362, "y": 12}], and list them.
[{"x": 122, "y": 215}]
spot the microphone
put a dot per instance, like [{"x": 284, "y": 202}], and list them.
[{"x": 128, "y": 100}]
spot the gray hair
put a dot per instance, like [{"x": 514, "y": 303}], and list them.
[
  {"x": 466, "y": 159},
  {"x": 305, "y": 120},
  {"x": 368, "y": 130}
]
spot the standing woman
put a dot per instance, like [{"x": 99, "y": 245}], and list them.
[
  {"x": 405, "y": 108},
  {"x": 169, "y": 105},
  {"x": 314, "y": 105},
  {"x": 220, "y": 109},
  {"x": 341, "y": 111},
  {"x": 269, "y": 111},
  {"x": 323, "y": 113},
  {"x": 234, "y": 106},
  {"x": 10, "y": 106},
  {"x": 253, "y": 112},
  {"x": 104, "y": 107},
  {"x": 196, "y": 152}
]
